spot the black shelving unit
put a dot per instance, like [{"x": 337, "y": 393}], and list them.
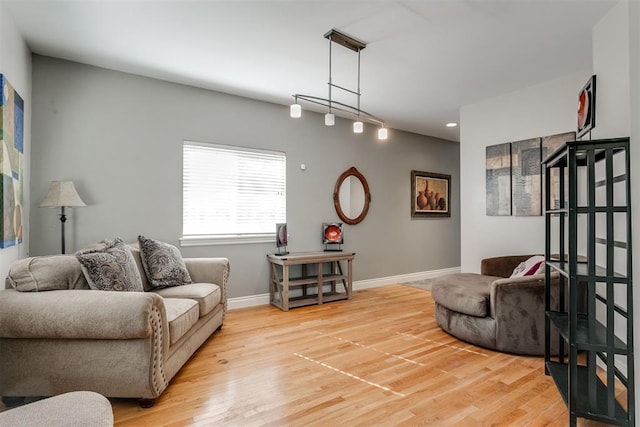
[{"x": 588, "y": 284}]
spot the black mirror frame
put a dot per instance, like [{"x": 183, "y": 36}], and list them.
[{"x": 336, "y": 196}]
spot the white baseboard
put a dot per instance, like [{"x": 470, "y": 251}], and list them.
[
  {"x": 390, "y": 280},
  {"x": 263, "y": 299},
  {"x": 248, "y": 301}
]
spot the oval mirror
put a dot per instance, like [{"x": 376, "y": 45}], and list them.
[{"x": 351, "y": 196}]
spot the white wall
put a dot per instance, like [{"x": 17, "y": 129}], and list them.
[
  {"x": 15, "y": 65},
  {"x": 613, "y": 110},
  {"x": 541, "y": 110},
  {"x": 550, "y": 108},
  {"x": 611, "y": 67},
  {"x": 634, "y": 90}
]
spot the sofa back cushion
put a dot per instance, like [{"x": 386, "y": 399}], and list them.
[
  {"x": 46, "y": 273},
  {"x": 137, "y": 257}
]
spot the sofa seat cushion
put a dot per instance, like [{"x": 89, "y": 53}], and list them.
[
  {"x": 207, "y": 295},
  {"x": 182, "y": 314},
  {"x": 466, "y": 293}
]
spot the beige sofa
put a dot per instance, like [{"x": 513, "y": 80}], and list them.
[{"x": 118, "y": 344}]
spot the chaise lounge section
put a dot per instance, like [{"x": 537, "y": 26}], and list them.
[{"x": 491, "y": 309}]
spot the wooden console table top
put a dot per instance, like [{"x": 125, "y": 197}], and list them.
[{"x": 310, "y": 257}]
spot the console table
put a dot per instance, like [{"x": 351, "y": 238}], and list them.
[{"x": 309, "y": 286}]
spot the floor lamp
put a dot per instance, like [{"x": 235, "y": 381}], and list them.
[{"x": 62, "y": 194}]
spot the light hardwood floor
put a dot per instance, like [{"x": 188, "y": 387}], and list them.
[{"x": 378, "y": 359}]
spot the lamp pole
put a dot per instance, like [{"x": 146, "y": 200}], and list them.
[{"x": 63, "y": 219}]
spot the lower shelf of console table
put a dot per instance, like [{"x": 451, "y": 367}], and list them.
[{"x": 321, "y": 278}]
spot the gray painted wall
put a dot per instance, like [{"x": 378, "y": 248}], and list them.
[{"x": 119, "y": 137}]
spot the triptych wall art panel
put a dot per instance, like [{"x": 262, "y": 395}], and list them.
[
  {"x": 498, "y": 179},
  {"x": 11, "y": 159},
  {"x": 549, "y": 145},
  {"x": 514, "y": 175},
  {"x": 526, "y": 181}
]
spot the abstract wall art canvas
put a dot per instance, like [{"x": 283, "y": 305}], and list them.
[
  {"x": 498, "y": 179},
  {"x": 549, "y": 145},
  {"x": 526, "y": 178},
  {"x": 12, "y": 160}
]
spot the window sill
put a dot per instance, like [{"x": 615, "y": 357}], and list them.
[{"x": 231, "y": 239}]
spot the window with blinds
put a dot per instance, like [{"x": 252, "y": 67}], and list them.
[{"x": 232, "y": 192}]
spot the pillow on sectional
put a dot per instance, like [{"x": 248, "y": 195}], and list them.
[
  {"x": 528, "y": 267},
  {"x": 109, "y": 266},
  {"x": 163, "y": 264}
]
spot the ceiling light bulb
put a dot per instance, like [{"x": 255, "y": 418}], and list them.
[
  {"x": 295, "y": 111},
  {"x": 451, "y": 125},
  {"x": 383, "y": 134},
  {"x": 358, "y": 127},
  {"x": 329, "y": 119}
]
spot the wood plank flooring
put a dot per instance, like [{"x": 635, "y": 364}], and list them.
[{"x": 378, "y": 359}]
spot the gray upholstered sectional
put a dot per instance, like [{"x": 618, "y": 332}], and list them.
[
  {"x": 119, "y": 344},
  {"x": 492, "y": 310}
]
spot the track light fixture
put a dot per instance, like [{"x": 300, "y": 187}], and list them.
[{"x": 349, "y": 42}]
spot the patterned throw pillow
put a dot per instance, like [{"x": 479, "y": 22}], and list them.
[
  {"x": 163, "y": 264},
  {"x": 528, "y": 267},
  {"x": 109, "y": 266}
]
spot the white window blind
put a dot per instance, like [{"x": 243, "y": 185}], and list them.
[{"x": 232, "y": 191}]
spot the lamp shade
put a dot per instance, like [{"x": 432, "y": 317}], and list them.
[
  {"x": 60, "y": 194},
  {"x": 329, "y": 119},
  {"x": 295, "y": 110}
]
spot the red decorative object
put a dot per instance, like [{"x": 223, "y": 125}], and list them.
[
  {"x": 587, "y": 107},
  {"x": 332, "y": 234}
]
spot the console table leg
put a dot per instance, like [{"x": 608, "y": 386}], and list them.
[
  {"x": 349, "y": 278},
  {"x": 285, "y": 288},
  {"x": 320, "y": 283}
]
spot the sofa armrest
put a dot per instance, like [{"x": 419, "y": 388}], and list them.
[
  {"x": 53, "y": 341},
  {"x": 517, "y": 306},
  {"x": 210, "y": 270},
  {"x": 82, "y": 314},
  {"x": 501, "y": 266},
  {"x": 505, "y": 290}
]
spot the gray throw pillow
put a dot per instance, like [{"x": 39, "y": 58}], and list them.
[
  {"x": 109, "y": 266},
  {"x": 163, "y": 264}
]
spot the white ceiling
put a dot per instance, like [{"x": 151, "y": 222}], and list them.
[{"x": 423, "y": 60}]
